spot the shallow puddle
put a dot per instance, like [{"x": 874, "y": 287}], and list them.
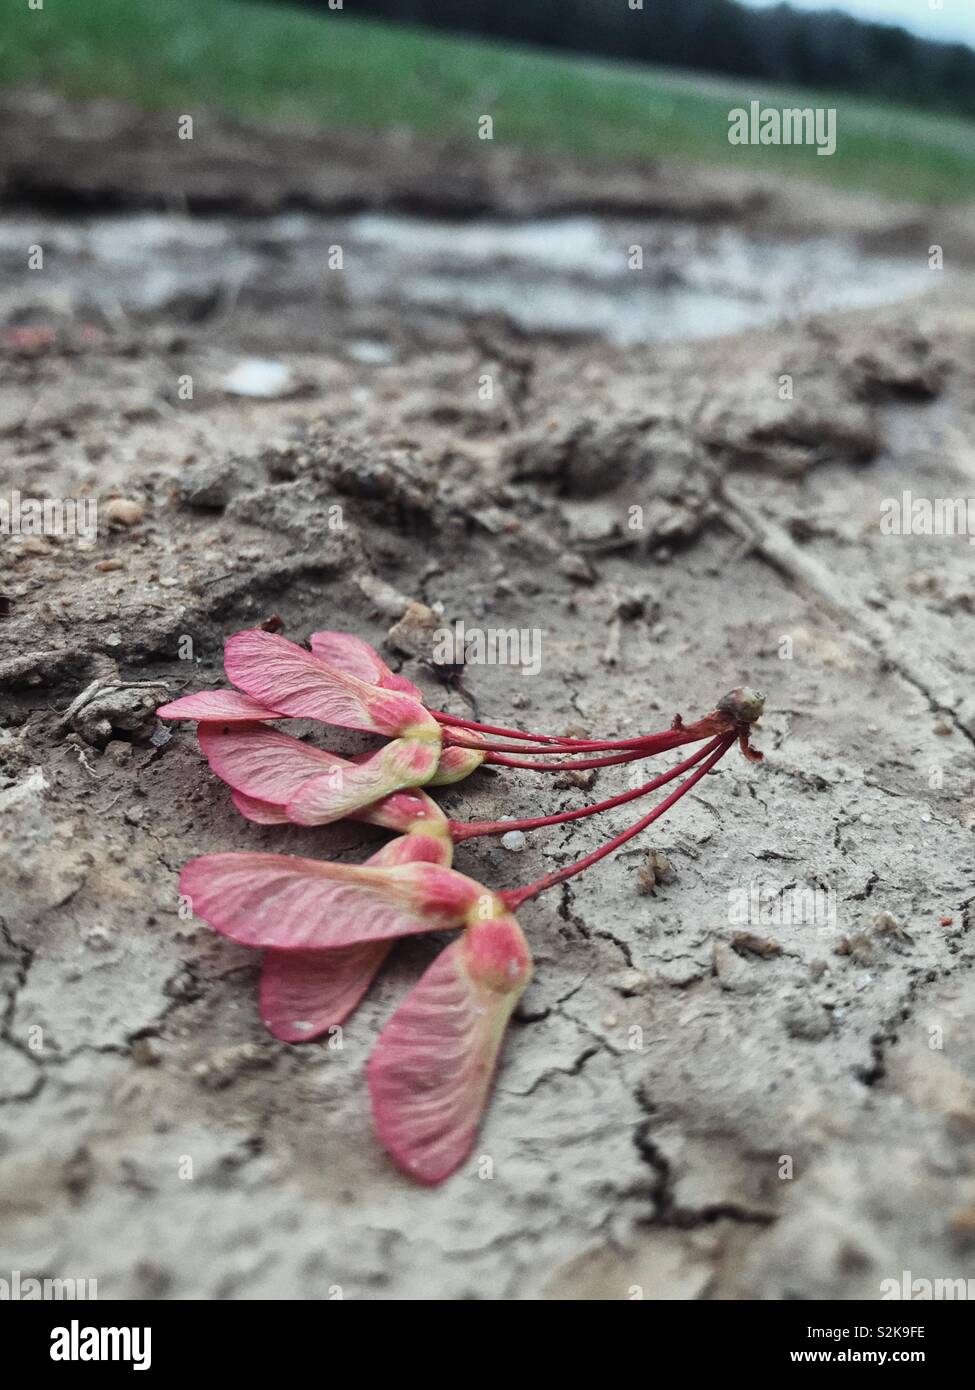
[{"x": 626, "y": 282}]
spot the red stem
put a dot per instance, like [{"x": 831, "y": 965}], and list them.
[
  {"x": 502, "y": 761},
  {"x": 645, "y": 747},
  {"x": 467, "y": 830},
  {"x": 557, "y": 744},
  {"x": 514, "y": 897},
  {"x": 679, "y": 733},
  {"x": 580, "y": 746},
  {"x": 496, "y": 729}
]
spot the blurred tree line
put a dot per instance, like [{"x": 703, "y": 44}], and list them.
[{"x": 829, "y": 50}]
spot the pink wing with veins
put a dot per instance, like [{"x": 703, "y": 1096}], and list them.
[
  {"x": 284, "y": 677},
  {"x": 308, "y": 904},
  {"x": 356, "y": 657},
  {"x": 267, "y": 769},
  {"x": 305, "y": 993},
  {"x": 431, "y": 1070},
  {"x": 262, "y": 762},
  {"x": 260, "y": 812},
  {"x": 227, "y": 706}
]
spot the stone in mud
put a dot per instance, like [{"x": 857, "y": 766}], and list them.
[
  {"x": 748, "y": 944},
  {"x": 210, "y": 485},
  {"x": 631, "y": 983},
  {"x": 584, "y": 458},
  {"x": 111, "y": 707},
  {"x": 414, "y": 634},
  {"x": 805, "y": 1020},
  {"x": 733, "y": 973},
  {"x": 749, "y": 425},
  {"x": 310, "y": 516},
  {"x": 390, "y": 488},
  {"x": 902, "y": 367},
  {"x": 39, "y": 869}
]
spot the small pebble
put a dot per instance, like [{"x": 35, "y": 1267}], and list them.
[
  {"x": 584, "y": 779},
  {"x": 97, "y": 938},
  {"x": 576, "y": 567},
  {"x": 145, "y": 1052},
  {"x": 256, "y": 376},
  {"x": 656, "y": 868},
  {"x": 631, "y": 982},
  {"x": 513, "y": 840},
  {"x": 804, "y": 1020},
  {"x": 123, "y": 511}
]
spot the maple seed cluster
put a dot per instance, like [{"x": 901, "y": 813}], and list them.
[{"x": 326, "y": 928}]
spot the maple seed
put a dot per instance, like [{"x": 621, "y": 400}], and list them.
[{"x": 326, "y": 929}]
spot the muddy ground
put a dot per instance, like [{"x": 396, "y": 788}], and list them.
[{"x": 689, "y": 1105}]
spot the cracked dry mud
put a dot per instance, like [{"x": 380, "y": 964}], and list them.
[{"x": 661, "y": 1075}]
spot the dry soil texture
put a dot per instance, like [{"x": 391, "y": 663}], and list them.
[{"x": 694, "y": 1101}]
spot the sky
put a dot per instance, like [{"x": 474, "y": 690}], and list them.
[{"x": 954, "y": 20}]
